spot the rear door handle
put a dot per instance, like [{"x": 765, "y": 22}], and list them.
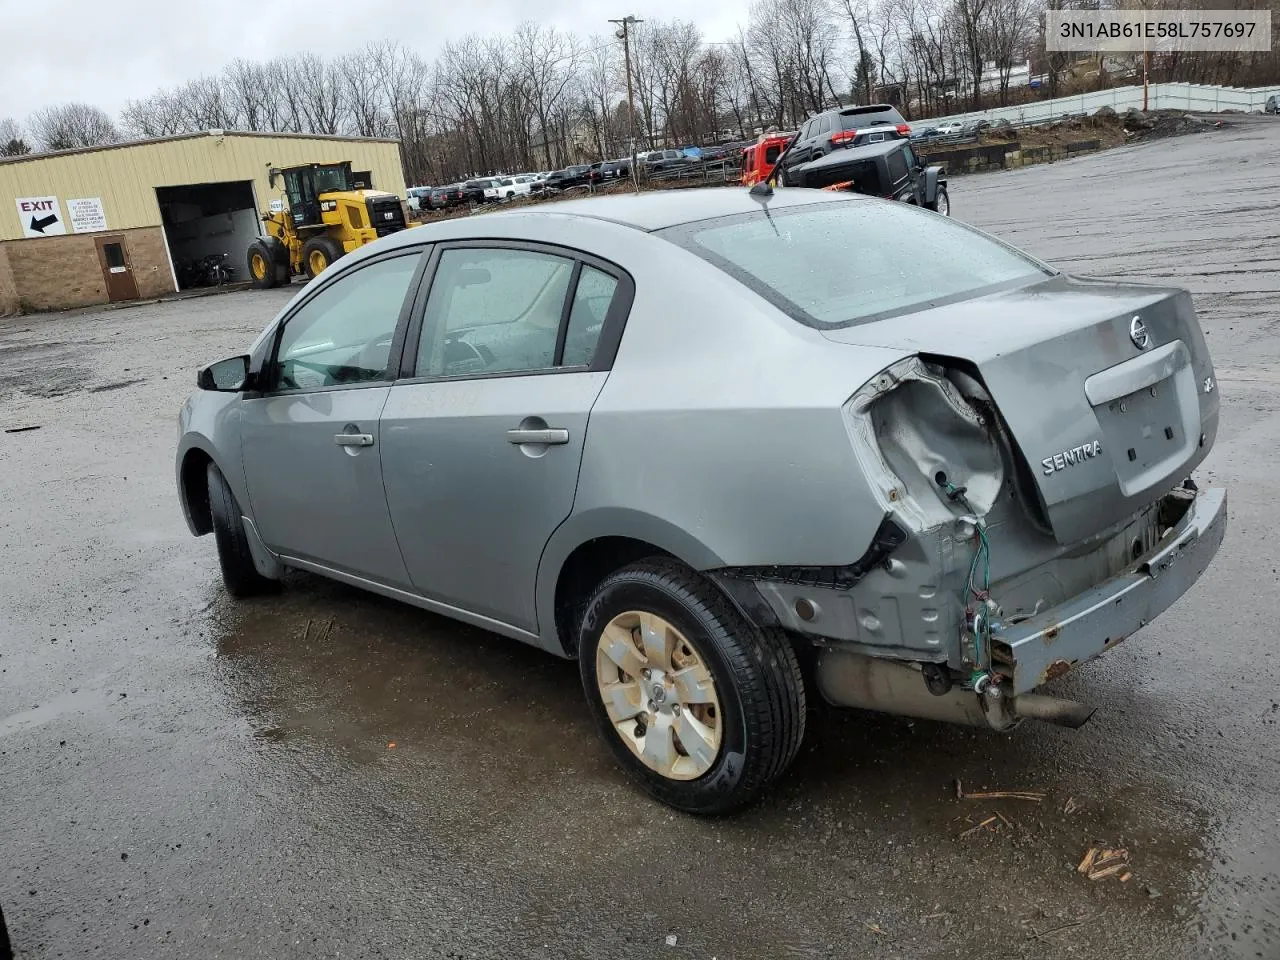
[
  {"x": 353, "y": 439},
  {"x": 550, "y": 435}
]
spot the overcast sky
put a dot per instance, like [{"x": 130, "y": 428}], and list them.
[{"x": 107, "y": 53}]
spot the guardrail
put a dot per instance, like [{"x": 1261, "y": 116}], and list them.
[{"x": 727, "y": 170}]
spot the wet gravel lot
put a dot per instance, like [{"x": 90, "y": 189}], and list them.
[{"x": 183, "y": 776}]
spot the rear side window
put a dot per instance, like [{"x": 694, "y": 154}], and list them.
[
  {"x": 493, "y": 311},
  {"x": 897, "y": 165},
  {"x": 841, "y": 263},
  {"x": 591, "y": 301}
]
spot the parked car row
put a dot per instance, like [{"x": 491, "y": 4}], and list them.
[{"x": 478, "y": 190}]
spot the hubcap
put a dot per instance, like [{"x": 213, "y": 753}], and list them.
[
  {"x": 944, "y": 205},
  {"x": 659, "y": 694}
]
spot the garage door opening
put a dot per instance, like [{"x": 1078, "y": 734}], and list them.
[{"x": 205, "y": 221}]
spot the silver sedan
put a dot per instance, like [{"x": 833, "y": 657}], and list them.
[{"x": 699, "y": 439}]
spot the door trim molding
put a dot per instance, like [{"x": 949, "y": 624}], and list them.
[{"x": 415, "y": 599}]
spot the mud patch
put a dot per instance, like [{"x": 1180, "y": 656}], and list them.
[{"x": 42, "y": 369}]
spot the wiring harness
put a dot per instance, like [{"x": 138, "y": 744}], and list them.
[{"x": 978, "y": 603}]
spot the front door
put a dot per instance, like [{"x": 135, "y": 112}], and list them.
[
  {"x": 117, "y": 270},
  {"x": 311, "y": 444},
  {"x": 481, "y": 447}
]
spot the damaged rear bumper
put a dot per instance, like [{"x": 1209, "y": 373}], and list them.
[{"x": 1050, "y": 644}]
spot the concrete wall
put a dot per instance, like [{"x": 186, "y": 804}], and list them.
[
  {"x": 55, "y": 273},
  {"x": 1002, "y": 156}
]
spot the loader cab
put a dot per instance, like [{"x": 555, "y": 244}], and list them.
[{"x": 304, "y": 186}]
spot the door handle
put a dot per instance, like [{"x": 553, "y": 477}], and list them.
[
  {"x": 353, "y": 439},
  {"x": 550, "y": 435}
]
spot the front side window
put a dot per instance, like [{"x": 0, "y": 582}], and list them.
[
  {"x": 493, "y": 310},
  {"x": 343, "y": 334},
  {"x": 840, "y": 263}
]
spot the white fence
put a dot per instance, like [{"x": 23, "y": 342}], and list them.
[{"x": 1162, "y": 96}]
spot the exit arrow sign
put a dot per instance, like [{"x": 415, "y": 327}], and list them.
[{"x": 40, "y": 216}]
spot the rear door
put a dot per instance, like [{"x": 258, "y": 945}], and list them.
[{"x": 482, "y": 437}]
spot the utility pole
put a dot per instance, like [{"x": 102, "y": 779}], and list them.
[
  {"x": 1146, "y": 57},
  {"x": 625, "y": 36}
]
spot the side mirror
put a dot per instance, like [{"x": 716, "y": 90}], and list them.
[{"x": 225, "y": 376}]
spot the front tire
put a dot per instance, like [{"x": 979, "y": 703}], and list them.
[
  {"x": 239, "y": 574},
  {"x": 262, "y": 267},
  {"x": 701, "y": 708},
  {"x": 318, "y": 254}
]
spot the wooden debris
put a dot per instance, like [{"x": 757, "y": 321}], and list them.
[
  {"x": 1087, "y": 863},
  {"x": 1108, "y": 871},
  {"x": 1035, "y": 796},
  {"x": 982, "y": 826},
  {"x": 1126, "y": 877},
  {"x": 1044, "y": 934},
  {"x": 1102, "y": 862},
  {"x": 1070, "y": 806}
]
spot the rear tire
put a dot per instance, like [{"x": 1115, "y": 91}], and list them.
[
  {"x": 318, "y": 255},
  {"x": 263, "y": 270},
  {"x": 239, "y": 574},
  {"x": 746, "y": 696},
  {"x": 941, "y": 202}
]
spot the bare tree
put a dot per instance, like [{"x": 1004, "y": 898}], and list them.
[
  {"x": 70, "y": 125},
  {"x": 12, "y": 143},
  {"x": 248, "y": 88},
  {"x": 1008, "y": 31},
  {"x": 547, "y": 62}
]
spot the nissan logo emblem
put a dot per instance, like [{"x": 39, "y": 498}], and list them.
[{"x": 1138, "y": 333}]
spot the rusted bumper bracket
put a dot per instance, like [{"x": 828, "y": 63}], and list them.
[{"x": 1052, "y": 643}]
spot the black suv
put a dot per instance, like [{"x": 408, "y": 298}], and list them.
[
  {"x": 609, "y": 170},
  {"x": 846, "y": 127},
  {"x": 572, "y": 176},
  {"x": 890, "y": 169}
]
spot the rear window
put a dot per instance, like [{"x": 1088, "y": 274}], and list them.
[
  {"x": 837, "y": 264},
  {"x": 865, "y": 117}
]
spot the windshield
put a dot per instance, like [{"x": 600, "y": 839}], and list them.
[
  {"x": 329, "y": 179},
  {"x": 837, "y": 264}
]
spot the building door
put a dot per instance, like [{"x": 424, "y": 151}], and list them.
[{"x": 117, "y": 270}]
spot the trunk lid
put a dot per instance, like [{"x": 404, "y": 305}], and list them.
[{"x": 1106, "y": 418}]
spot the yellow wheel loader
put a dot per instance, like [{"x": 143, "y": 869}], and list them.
[{"x": 321, "y": 216}]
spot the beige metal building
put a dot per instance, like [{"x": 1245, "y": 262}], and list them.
[{"x": 80, "y": 227}]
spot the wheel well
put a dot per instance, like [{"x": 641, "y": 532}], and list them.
[
  {"x": 195, "y": 489},
  {"x": 583, "y": 569}
]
